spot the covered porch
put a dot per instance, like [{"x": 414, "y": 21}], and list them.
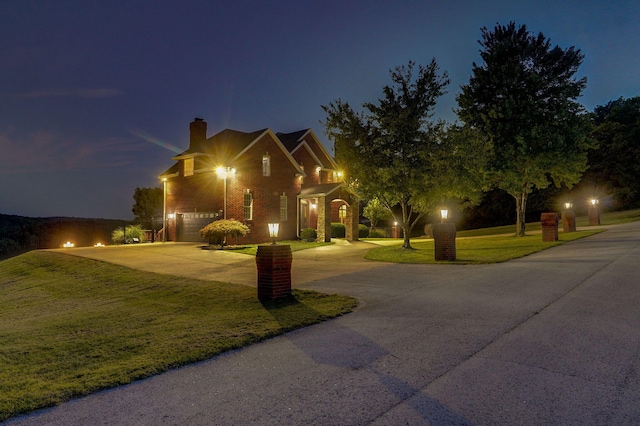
[{"x": 320, "y": 205}]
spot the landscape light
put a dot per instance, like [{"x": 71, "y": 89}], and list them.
[
  {"x": 99, "y": 245},
  {"x": 273, "y": 232},
  {"x": 568, "y": 205},
  {"x": 68, "y": 244},
  {"x": 444, "y": 214}
]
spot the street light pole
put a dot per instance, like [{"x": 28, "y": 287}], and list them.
[
  {"x": 164, "y": 211},
  {"x": 223, "y": 173}
]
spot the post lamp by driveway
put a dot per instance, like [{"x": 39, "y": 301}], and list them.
[
  {"x": 223, "y": 173},
  {"x": 444, "y": 238},
  {"x": 274, "y": 268},
  {"x": 594, "y": 212},
  {"x": 444, "y": 215},
  {"x": 273, "y": 232},
  {"x": 568, "y": 218}
]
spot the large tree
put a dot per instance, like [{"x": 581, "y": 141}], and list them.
[
  {"x": 148, "y": 204},
  {"x": 393, "y": 150},
  {"x": 523, "y": 100},
  {"x": 615, "y": 167}
]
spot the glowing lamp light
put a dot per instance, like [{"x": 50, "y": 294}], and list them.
[
  {"x": 444, "y": 214},
  {"x": 318, "y": 168},
  {"x": 313, "y": 206},
  {"x": 99, "y": 245},
  {"x": 395, "y": 223},
  {"x": 171, "y": 215},
  {"x": 273, "y": 232},
  {"x": 594, "y": 201},
  {"x": 68, "y": 244},
  {"x": 568, "y": 205}
]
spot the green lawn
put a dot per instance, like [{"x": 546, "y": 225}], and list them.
[
  {"x": 70, "y": 326},
  {"x": 252, "y": 249},
  {"x": 474, "y": 250}
]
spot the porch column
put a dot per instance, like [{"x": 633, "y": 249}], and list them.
[
  {"x": 324, "y": 219},
  {"x": 352, "y": 220}
]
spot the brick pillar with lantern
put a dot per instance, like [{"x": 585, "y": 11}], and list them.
[
  {"x": 444, "y": 239},
  {"x": 274, "y": 271},
  {"x": 549, "y": 223}
]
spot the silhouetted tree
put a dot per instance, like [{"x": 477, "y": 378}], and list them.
[{"x": 148, "y": 204}]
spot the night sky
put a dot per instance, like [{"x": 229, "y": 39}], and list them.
[{"x": 95, "y": 96}]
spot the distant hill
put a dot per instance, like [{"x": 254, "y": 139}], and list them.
[{"x": 19, "y": 233}]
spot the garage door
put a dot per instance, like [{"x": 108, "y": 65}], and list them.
[{"x": 190, "y": 224}]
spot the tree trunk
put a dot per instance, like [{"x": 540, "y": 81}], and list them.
[
  {"x": 406, "y": 231},
  {"x": 521, "y": 208}
]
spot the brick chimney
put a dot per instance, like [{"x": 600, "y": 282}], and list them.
[{"x": 197, "y": 131}]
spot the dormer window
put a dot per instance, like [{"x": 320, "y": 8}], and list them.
[{"x": 266, "y": 165}]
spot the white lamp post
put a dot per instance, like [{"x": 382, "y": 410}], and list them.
[
  {"x": 223, "y": 173},
  {"x": 164, "y": 211}
]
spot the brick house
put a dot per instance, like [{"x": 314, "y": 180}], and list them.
[{"x": 257, "y": 178}]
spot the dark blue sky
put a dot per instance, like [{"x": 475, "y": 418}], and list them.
[{"x": 92, "y": 91}]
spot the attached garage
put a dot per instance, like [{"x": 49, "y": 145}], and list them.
[{"x": 190, "y": 224}]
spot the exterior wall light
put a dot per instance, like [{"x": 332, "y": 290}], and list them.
[
  {"x": 171, "y": 215},
  {"x": 313, "y": 206},
  {"x": 444, "y": 215},
  {"x": 273, "y": 232},
  {"x": 318, "y": 168}
]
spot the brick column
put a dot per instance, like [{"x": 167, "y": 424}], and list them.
[
  {"x": 274, "y": 271},
  {"x": 569, "y": 221},
  {"x": 549, "y": 223},
  {"x": 444, "y": 239},
  {"x": 324, "y": 219},
  {"x": 352, "y": 222},
  {"x": 594, "y": 215}
]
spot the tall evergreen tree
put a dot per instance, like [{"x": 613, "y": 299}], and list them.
[{"x": 523, "y": 100}]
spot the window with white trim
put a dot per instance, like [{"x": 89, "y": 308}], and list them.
[
  {"x": 248, "y": 205},
  {"x": 266, "y": 165}
]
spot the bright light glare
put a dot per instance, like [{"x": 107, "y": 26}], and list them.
[
  {"x": 68, "y": 244},
  {"x": 99, "y": 245}
]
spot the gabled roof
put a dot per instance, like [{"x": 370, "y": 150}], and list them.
[
  {"x": 292, "y": 140},
  {"x": 225, "y": 144}
]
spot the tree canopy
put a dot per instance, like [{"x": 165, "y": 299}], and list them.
[
  {"x": 148, "y": 204},
  {"x": 522, "y": 100},
  {"x": 393, "y": 151},
  {"x": 614, "y": 167}
]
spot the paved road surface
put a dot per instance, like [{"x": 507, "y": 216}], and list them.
[{"x": 553, "y": 338}]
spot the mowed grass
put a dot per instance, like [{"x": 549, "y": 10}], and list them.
[
  {"x": 70, "y": 326},
  {"x": 489, "y": 249}
]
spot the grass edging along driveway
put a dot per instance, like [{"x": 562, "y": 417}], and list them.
[
  {"x": 474, "y": 250},
  {"x": 70, "y": 326}
]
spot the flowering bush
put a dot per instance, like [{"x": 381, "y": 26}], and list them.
[{"x": 218, "y": 231}]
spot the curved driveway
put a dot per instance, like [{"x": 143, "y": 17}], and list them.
[{"x": 553, "y": 338}]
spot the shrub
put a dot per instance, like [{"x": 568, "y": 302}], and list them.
[
  {"x": 338, "y": 230},
  {"x": 376, "y": 234},
  {"x": 130, "y": 232},
  {"x": 309, "y": 234},
  {"x": 363, "y": 231},
  {"x": 218, "y": 231}
]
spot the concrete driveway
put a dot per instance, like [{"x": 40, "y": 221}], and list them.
[
  {"x": 553, "y": 338},
  {"x": 190, "y": 260}
]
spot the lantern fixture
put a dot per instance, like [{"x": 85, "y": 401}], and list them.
[{"x": 273, "y": 232}]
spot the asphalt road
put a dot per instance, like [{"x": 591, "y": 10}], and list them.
[{"x": 553, "y": 338}]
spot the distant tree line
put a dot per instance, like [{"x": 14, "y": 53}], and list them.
[{"x": 19, "y": 233}]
